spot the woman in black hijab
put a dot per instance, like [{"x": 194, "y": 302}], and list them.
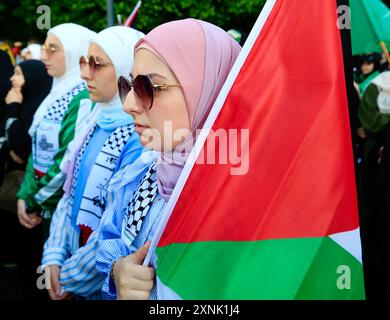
[
  {"x": 30, "y": 85},
  {"x": 6, "y": 69}
]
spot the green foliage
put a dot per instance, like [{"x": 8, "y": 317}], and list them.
[
  {"x": 18, "y": 18},
  {"x": 240, "y": 14}
]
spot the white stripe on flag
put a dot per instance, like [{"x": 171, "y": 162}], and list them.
[{"x": 350, "y": 241}]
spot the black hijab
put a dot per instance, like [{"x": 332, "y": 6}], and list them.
[
  {"x": 37, "y": 85},
  {"x": 6, "y": 70}
]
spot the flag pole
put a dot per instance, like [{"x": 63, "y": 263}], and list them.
[
  {"x": 110, "y": 13},
  {"x": 386, "y": 51},
  {"x": 132, "y": 15},
  {"x": 119, "y": 19}
]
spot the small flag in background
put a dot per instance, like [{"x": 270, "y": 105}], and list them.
[
  {"x": 370, "y": 22},
  {"x": 130, "y": 19}
]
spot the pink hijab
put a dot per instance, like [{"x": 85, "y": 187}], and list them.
[{"x": 200, "y": 55}]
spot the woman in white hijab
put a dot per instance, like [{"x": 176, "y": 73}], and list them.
[
  {"x": 32, "y": 52},
  {"x": 107, "y": 145},
  {"x": 55, "y": 123}
]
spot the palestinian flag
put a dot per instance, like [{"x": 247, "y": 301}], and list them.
[
  {"x": 370, "y": 23},
  {"x": 288, "y": 228}
]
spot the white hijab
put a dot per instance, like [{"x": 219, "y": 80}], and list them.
[
  {"x": 118, "y": 43},
  {"x": 75, "y": 40},
  {"x": 34, "y": 49},
  {"x": 383, "y": 83}
]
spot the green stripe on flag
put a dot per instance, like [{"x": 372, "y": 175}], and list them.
[{"x": 300, "y": 268}]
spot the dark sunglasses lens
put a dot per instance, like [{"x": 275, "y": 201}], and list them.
[
  {"x": 92, "y": 64},
  {"x": 143, "y": 89},
  {"x": 48, "y": 50},
  {"x": 82, "y": 61},
  {"x": 123, "y": 88}
]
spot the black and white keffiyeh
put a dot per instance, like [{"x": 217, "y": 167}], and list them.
[
  {"x": 140, "y": 205},
  {"x": 94, "y": 198}
]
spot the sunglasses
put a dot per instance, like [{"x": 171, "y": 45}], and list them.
[
  {"x": 49, "y": 49},
  {"x": 143, "y": 87},
  {"x": 92, "y": 62}
]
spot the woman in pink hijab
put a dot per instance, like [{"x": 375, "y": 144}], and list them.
[{"x": 179, "y": 69}]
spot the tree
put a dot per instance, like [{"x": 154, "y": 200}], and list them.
[{"x": 18, "y": 20}]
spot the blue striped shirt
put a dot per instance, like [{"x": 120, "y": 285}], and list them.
[
  {"x": 112, "y": 247},
  {"x": 78, "y": 264}
]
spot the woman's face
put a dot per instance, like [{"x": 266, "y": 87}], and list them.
[
  {"x": 28, "y": 55},
  {"x": 101, "y": 82},
  {"x": 17, "y": 79},
  {"x": 367, "y": 68},
  {"x": 53, "y": 56},
  {"x": 166, "y": 123}
]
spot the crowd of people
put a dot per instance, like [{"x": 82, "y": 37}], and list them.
[
  {"x": 371, "y": 126},
  {"x": 87, "y": 167},
  {"x": 83, "y": 128}
]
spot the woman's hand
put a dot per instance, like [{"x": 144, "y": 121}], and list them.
[
  {"x": 53, "y": 272},
  {"x": 380, "y": 154},
  {"x": 357, "y": 88},
  {"x": 16, "y": 158},
  {"x": 14, "y": 95},
  {"x": 28, "y": 221},
  {"x": 361, "y": 133},
  {"x": 133, "y": 281}
]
